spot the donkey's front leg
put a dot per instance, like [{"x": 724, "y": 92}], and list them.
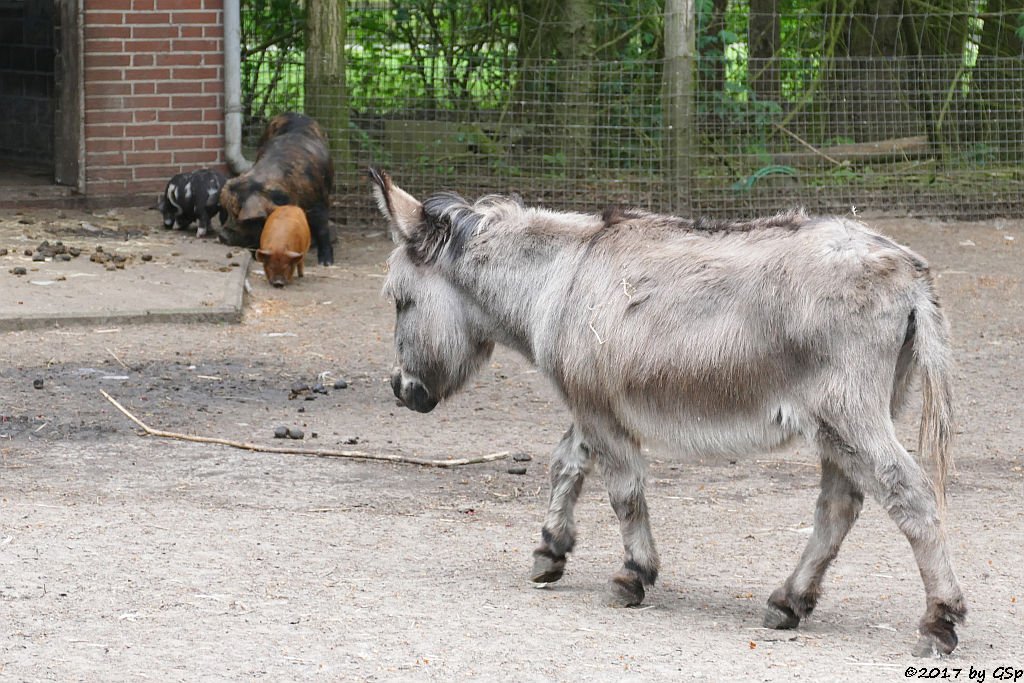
[
  {"x": 570, "y": 464},
  {"x": 625, "y": 472}
]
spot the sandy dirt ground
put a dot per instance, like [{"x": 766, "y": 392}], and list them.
[{"x": 125, "y": 557}]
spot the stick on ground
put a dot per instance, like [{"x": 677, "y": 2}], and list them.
[{"x": 320, "y": 453}]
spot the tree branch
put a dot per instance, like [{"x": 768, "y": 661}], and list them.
[{"x": 320, "y": 453}]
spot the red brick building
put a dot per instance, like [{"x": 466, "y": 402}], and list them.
[{"x": 107, "y": 99}]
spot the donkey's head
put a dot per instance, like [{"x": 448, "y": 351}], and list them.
[{"x": 441, "y": 335}]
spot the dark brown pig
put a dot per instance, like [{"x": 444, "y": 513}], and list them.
[
  {"x": 293, "y": 166},
  {"x": 283, "y": 244}
]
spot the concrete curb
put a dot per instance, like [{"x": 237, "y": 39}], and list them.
[{"x": 228, "y": 310}]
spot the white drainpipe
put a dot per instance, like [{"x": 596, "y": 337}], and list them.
[{"x": 233, "y": 89}]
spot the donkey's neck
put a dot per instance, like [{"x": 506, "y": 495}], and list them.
[
  {"x": 507, "y": 295},
  {"x": 517, "y": 273}
]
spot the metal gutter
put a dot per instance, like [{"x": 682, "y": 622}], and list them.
[{"x": 233, "y": 89}]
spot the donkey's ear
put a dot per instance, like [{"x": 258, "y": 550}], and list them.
[{"x": 403, "y": 210}]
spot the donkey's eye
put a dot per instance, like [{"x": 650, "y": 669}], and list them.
[{"x": 402, "y": 304}]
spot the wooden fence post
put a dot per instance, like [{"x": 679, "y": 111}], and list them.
[{"x": 678, "y": 102}]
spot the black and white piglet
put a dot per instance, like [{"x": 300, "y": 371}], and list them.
[{"x": 193, "y": 196}]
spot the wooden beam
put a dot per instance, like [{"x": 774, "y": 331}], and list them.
[{"x": 893, "y": 149}]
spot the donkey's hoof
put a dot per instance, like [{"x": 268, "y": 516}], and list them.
[
  {"x": 547, "y": 567},
  {"x": 626, "y": 590},
  {"x": 938, "y": 639},
  {"x": 937, "y": 630},
  {"x": 780, "y": 617},
  {"x": 924, "y": 647}
]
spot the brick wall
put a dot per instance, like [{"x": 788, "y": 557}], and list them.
[
  {"x": 26, "y": 80},
  {"x": 154, "y": 93}
]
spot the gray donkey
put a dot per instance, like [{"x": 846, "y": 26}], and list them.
[{"x": 706, "y": 337}]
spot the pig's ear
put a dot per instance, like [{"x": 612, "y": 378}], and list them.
[
  {"x": 403, "y": 210},
  {"x": 228, "y": 200},
  {"x": 255, "y": 206},
  {"x": 262, "y": 255},
  {"x": 294, "y": 256}
]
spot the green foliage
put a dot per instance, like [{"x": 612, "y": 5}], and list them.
[
  {"x": 430, "y": 54},
  {"x": 273, "y": 43},
  {"x": 511, "y": 82},
  {"x": 554, "y": 165}
]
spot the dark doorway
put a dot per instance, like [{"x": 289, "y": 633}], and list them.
[{"x": 40, "y": 86}]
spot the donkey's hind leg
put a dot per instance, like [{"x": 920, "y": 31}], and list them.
[
  {"x": 838, "y": 507},
  {"x": 875, "y": 460},
  {"x": 570, "y": 464}
]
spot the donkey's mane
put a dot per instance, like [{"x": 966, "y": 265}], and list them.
[
  {"x": 791, "y": 220},
  {"x": 794, "y": 219},
  {"x": 450, "y": 220}
]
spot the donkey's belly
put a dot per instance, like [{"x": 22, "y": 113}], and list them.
[{"x": 691, "y": 435}]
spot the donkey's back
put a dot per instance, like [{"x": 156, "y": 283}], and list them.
[{"x": 731, "y": 337}]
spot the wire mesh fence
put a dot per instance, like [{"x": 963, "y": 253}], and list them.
[{"x": 822, "y": 105}]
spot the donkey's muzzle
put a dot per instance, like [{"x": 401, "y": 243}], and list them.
[{"x": 411, "y": 392}]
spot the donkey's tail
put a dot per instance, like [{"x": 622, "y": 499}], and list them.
[{"x": 927, "y": 348}]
